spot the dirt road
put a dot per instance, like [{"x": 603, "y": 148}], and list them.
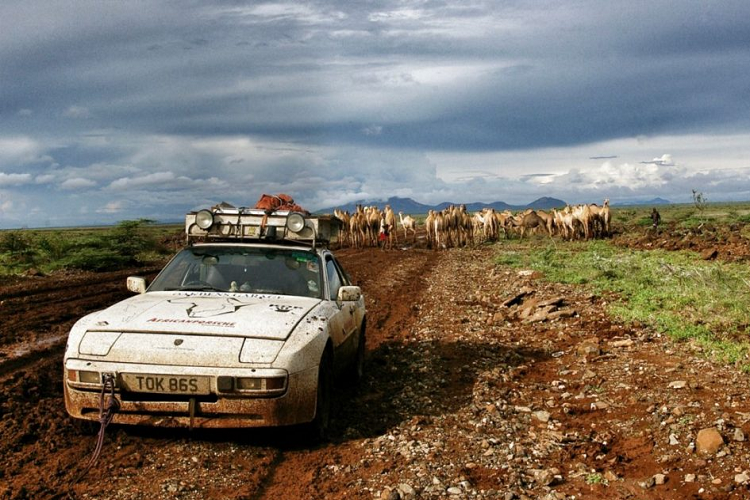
[{"x": 482, "y": 382}]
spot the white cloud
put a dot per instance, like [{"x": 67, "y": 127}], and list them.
[
  {"x": 77, "y": 183},
  {"x": 373, "y": 130},
  {"x": 112, "y": 207},
  {"x": 290, "y": 11},
  {"x": 162, "y": 180},
  {"x": 20, "y": 150},
  {"x": 77, "y": 112},
  {"x": 24, "y": 112},
  {"x": 44, "y": 179},
  {"x": 664, "y": 160},
  {"x": 625, "y": 175},
  {"x": 14, "y": 179}
]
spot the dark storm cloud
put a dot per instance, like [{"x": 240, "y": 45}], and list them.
[
  {"x": 338, "y": 100},
  {"x": 568, "y": 76}
]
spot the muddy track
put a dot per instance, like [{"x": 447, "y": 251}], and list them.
[
  {"x": 39, "y": 440},
  {"x": 462, "y": 396},
  {"x": 393, "y": 289}
]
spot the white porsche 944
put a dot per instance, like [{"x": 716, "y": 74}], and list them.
[{"x": 247, "y": 326}]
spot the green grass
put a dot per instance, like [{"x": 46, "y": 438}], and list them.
[
  {"x": 676, "y": 293},
  {"x": 129, "y": 243},
  {"x": 595, "y": 478}
]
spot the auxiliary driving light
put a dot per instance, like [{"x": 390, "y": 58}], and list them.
[
  {"x": 295, "y": 222},
  {"x": 204, "y": 219},
  {"x": 268, "y": 386}
]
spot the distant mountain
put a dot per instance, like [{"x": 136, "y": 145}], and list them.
[
  {"x": 546, "y": 203},
  {"x": 409, "y": 206},
  {"x": 655, "y": 201},
  {"x": 658, "y": 201}
]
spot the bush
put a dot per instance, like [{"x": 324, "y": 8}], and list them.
[
  {"x": 19, "y": 249},
  {"x": 95, "y": 259},
  {"x": 129, "y": 243}
]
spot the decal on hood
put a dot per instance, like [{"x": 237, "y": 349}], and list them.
[
  {"x": 206, "y": 308},
  {"x": 284, "y": 308},
  {"x": 203, "y": 322}
]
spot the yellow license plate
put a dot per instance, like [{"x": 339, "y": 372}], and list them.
[{"x": 165, "y": 384}]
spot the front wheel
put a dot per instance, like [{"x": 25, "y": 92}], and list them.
[
  {"x": 357, "y": 368},
  {"x": 317, "y": 430}
]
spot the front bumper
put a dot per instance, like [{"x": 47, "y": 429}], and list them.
[{"x": 215, "y": 410}]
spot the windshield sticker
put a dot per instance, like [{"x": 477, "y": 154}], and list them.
[{"x": 304, "y": 256}]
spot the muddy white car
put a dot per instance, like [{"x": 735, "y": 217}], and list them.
[{"x": 248, "y": 326}]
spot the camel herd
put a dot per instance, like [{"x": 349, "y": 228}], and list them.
[{"x": 455, "y": 226}]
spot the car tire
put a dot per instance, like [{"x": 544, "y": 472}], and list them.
[
  {"x": 357, "y": 368},
  {"x": 317, "y": 430}
]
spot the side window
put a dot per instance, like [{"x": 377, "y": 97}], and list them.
[
  {"x": 334, "y": 280},
  {"x": 345, "y": 279}
]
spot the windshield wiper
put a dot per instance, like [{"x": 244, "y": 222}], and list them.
[{"x": 198, "y": 288}]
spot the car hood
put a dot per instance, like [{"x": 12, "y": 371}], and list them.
[{"x": 206, "y": 313}]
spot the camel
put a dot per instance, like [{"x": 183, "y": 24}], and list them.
[
  {"x": 583, "y": 214},
  {"x": 606, "y": 217},
  {"x": 561, "y": 223},
  {"x": 489, "y": 224},
  {"x": 503, "y": 222},
  {"x": 440, "y": 230},
  {"x": 372, "y": 225},
  {"x": 357, "y": 228},
  {"x": 530, "y": 221},
  {"x": 345, "y": 219},
  {"x": 549, "y": 221},
  {"x": 390, "y": 222},
  {"x": 429, "y": 225},
  {"x": 477, "y": 223},
  {"x": 409, "y": 224},
  {"x": 464, "y": 225}
]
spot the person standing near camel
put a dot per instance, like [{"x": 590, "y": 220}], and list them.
[{"x": 655, "y": 218}]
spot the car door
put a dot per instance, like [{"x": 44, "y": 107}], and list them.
[{"x": 343, "y": 322}]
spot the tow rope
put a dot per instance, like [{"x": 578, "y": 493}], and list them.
[{"x": 105, "y": 417}]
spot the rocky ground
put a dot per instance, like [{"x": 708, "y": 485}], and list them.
[{"x": 482, "y": 382}]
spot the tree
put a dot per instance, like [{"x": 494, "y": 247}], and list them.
[{"x": 700, "y": 202}]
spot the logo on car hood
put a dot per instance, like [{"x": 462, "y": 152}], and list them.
[{"x": 207, "y": 308}]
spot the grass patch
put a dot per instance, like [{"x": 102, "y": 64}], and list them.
[
  {"x": 676, "y": 293},
  {"x": 129, "y": 243},
  {"x": 596, "y": 478}
]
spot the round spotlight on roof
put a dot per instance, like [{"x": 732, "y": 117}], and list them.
[
  {"x": 295, "y": 222},
  {"x": 204, "y": 219}
]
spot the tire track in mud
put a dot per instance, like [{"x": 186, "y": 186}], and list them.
[
  {"x": 63, "y": 283},
  {"x": 39, "y": 440},
  {"x": 383, "y": 276},
  {"x": 38, "y": 317}
]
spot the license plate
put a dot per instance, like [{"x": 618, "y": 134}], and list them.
[{"x": 165, "y": 384}]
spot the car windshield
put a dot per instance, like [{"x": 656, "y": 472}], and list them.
[{"x": 242, "y": 270}]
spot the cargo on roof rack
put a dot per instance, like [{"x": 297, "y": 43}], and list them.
[{"x": 227, "y": 223}]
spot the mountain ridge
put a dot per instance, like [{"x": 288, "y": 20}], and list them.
[{"x": 408, "y": 205}]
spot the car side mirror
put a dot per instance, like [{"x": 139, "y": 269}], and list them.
[
  {"x": 349, "y": 294},
  {"x": 136, "y": 284}
]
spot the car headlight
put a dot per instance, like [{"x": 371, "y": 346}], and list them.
[
  {"x": 87, "y": 377},
  {"x": 204, "y": 219},
  {"x": 258, "y": 386},
  {"x": 295, "y": 222}
]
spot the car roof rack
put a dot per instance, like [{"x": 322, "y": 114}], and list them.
[{"x": 225, "y": 223}]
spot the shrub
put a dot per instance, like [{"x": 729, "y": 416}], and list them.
[{"x": 95, "y": 259}]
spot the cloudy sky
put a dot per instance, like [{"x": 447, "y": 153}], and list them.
[{"x": 115, "y": 110}]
